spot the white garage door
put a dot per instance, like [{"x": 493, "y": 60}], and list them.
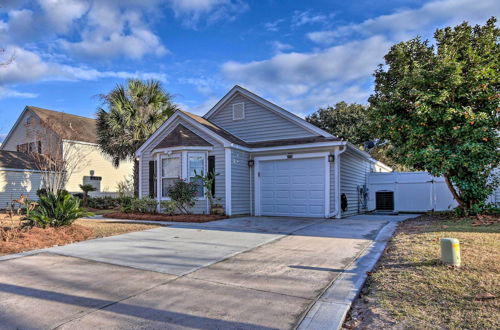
[{"x": 293, "y": 187}]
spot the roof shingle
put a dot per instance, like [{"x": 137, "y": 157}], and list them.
[
  {"x": 67, "y": 126},
  {"x": 17, "y": 160},
  {"x": 182, "y": 136}
]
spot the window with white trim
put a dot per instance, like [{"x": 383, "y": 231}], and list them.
[
  {"x": 170, "y": 172},
  {"x": 196, "y": 165}
]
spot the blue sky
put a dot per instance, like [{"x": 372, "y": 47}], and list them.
[{"x": 299, "y": 54}]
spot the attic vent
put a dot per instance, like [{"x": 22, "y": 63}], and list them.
[{"x": 238, "y": 111}]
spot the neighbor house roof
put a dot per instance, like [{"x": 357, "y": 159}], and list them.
[
  {"x": 68, "y": 126},
  {"x": 182, "y": 136},
  {"x": 16, "y": 160}
]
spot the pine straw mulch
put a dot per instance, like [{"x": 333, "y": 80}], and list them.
[
  {"x": 19, "y": 239},
  {"x": 198, "y": 218}
]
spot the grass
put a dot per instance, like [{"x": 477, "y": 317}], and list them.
[
  {"x": 102, "y": 228},
  {"x": 411, "y": 288}
]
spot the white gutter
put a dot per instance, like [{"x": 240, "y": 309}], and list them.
[{"x": 336, "y": 213}]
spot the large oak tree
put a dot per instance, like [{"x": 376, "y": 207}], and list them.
[{"x": 438, "y": 105}]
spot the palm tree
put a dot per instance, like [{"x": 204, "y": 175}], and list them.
[{"x": 133, "y": 112}]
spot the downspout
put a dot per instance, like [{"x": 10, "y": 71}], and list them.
[{"x": 336, "y": 213}]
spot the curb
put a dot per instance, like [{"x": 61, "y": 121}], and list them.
[{"x": 330, "y": 310}]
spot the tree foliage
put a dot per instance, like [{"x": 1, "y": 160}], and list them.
[
  {"x": 351, "y": 122},
  {"x": 130, "y": 115},
  {"x": 346, "y": 121},
  {"x": 438, "y": 106}
]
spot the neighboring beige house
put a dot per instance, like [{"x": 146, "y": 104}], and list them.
[
  {"x": 18, "y": 176},
  {"x": 75, "y": 137}
]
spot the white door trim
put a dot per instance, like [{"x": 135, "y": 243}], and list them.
[{"x": 259, "y": 159}]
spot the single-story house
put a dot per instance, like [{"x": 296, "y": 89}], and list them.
[
  {"x": 18, "y": 176},
  {"x": 270, "y": 162},
  {"x": 73, "y": 139}
]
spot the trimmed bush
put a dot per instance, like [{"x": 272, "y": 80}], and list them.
[
  {"x": 143, "y": 205},
  {"x": 183, "y": 194},
  {"x": 168, "y": 207},
  {"x": 103, "y": 202}
]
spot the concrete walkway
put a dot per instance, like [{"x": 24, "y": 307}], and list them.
[{"x": 245, "y": 273}]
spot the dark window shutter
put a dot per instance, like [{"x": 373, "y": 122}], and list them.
[
  {"x": 39, "y": 147},
  {"x": 152, "y": 179},
  {"x": 211, "y": 169}
]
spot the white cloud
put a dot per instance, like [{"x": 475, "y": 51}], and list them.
[
  {"x": 112, "y": 32},
  {"x": 9, "y": 93},
  {"x": 202, "y": 108},
  {"x": 29, "y": 66},
  {"x": 60, "y": 14},
  {"x": 300, "y": 18},
  {"x": 273, "y": 26},
  {"x": 304, "y": 81},
  {"x": 192, "y": 11},
  {"x": 294, "y": 73},
  {"x": 279, "y": 46},
  {"x": 407, "y": 23}
]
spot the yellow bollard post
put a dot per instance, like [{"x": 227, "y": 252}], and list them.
[{"x": 450, "y": 251}]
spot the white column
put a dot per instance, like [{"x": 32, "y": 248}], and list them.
[
  {"x": 158, "y": 180},
  {"x": 228, "y": 163}
]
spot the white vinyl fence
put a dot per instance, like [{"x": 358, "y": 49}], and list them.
[{"x": 411, "y": 192}]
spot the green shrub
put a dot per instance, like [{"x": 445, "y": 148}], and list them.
[
  {"x": 168, "y": 207},
  {"x": 103, "y": 202},
  {"x": 125, "y": 203},
  {"x": 183, "y": 194},
  {"x": 56, "y": 210},
  {"x": 143, "y": 205}
]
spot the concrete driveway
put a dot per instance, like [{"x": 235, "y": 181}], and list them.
[{"x": 241, "y": 273}]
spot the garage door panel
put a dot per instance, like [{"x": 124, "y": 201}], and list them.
[
  {"x": 282, "y": 180},
  {"x": 299, "y": 194},
  {"x": 297, "y": 188},
  {"x": 316, "y": 195}
]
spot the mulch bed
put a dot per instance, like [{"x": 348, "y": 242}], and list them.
[
  {"x": 199, "y": 218},
  {"x": 14, "y": 240}
]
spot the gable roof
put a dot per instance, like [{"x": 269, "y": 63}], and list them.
[
  {"x": 68, "y": 126},
  {"x": 268, "y": 105},
  {"x": 16, "y": 160},
  {"x": 216, "y": 129},
  {"x": 182, "y": 136}
]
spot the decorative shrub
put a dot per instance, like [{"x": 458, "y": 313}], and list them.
[
  {"x": 168, "y": 207},
  {"x": 183, "y": 194},
  {"x": 103, "y": 202},
  {"x": 143, "y": 205},
  {"x": 125, "y": 203},
  {"x": 56, "y": 210}
]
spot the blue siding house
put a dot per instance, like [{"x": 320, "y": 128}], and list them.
[{"x": 270, "y": 162}]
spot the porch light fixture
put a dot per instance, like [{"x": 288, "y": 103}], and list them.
[
  {"x": 331, "y": 158},
  {"x": 251, "y": 163}
]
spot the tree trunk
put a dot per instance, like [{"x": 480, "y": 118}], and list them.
[
  {"x": 136, "y": 178},
  {"x": 456, "y": 196}
]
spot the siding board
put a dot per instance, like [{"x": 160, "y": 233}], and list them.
[
  {"x": 353, "y": 173},
  {"x": 260, "y": 123},
  {"x": 240, "y": 182},
  {"x": 218, "y": 152}
]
